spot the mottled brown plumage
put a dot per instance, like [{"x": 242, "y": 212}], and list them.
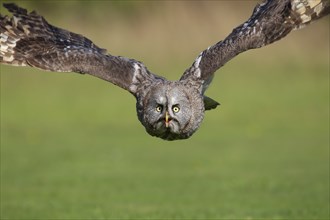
[{"x": 169, "y": 110}]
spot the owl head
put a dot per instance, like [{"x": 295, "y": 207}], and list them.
[{"x": 171, "y": 110}]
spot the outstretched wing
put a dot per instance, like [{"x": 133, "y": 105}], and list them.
[
  {"x": 270, "y": 21},
  {"x": 28, "y": 40}
]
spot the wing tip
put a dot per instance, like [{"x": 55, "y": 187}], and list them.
[
  {"x": 14, "y": 8},
  {"x": 308, "y": 11}
]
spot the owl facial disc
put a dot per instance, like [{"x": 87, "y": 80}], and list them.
[{"x": 171, "y": 110}]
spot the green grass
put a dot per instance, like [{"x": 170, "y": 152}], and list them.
[{"x": 71, "y": 147}]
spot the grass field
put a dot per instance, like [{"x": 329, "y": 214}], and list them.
[{"x": 72, "y": 147}]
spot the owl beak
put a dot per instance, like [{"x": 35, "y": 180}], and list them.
[{"x": 167, "y": 119}]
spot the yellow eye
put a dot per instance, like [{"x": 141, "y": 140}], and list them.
[
  {"x": 176, "y": 109},
  {"x": 159, "y": 108}
]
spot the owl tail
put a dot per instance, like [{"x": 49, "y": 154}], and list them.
[
  {"x": 209, "y": 103},
  {"x": 304, "y": 12}
]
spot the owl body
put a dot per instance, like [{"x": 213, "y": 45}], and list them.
[{"x": 170, "y": 110}]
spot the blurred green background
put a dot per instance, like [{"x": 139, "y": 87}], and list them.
[{"x": 72, "y": 147}]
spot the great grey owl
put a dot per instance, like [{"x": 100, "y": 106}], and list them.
[{"x": 169, "y": 110}]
